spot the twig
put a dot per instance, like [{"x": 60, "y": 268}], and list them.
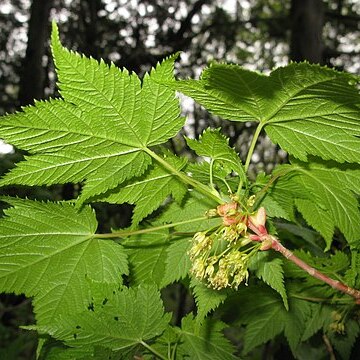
[{"x": 257, "y": 224}]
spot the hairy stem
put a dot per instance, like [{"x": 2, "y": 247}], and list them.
[
  {"x": 125, "y": 233},
  {"x": 186, "y": 179},
  {"x": 152, "y": 350},
  {"x": 252, "y": 146},
  {"x": 335, "y": 284}
]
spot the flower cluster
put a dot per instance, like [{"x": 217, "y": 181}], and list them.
[
  {"x": 221, "y": 257},
  {"x": 220, "y": 267}
]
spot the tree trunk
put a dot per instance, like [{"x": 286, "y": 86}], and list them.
[
  {"x": 88, "y": 19},
  {"x": 307, "y": 18},
  {"x": 33, "y": 76}
]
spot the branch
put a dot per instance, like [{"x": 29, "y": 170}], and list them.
[
  {"x": 335, "y": 284},
  {"x": 257, "y": 224}
]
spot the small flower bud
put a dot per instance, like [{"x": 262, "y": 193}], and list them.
[
  {"x": 266, "y": 245},
  {"x": 211, "y": 213},
  {"x": 251, "y": 201},
  {"x": 259, "y": 218}
]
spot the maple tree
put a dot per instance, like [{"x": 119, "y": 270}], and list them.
[{"x": 98, "y": 294}]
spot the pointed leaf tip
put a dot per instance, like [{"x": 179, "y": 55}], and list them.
[{"x": 54, "y": 33}]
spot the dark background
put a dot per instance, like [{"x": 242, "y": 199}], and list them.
[{"x": 257, "y": 34}]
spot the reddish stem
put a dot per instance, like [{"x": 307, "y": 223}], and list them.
[{"x": 277, "y": 246}]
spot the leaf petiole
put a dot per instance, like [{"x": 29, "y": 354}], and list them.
[
  {"x": 186, "y": 179},
  {"x": 152, "y": 350},
  {"x": 126, "y": 233},
  {"x": 249, "y": 155},
  {"x": 252, "y": 145}
]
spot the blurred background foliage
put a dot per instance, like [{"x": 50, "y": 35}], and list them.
[{"x": 135, "y": 34}]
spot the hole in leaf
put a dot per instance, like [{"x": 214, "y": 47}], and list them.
[
  {"x": 75, "y": 336},
  {"x": 105, "y": 301},
  {"x": 116, "y": 318},
  {"x": 78, "y": 326},
  {"x": 91, "y": 307}
]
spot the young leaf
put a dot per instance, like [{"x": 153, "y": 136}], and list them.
[
  {"x": 306, "y": 109},
  {"x": 214, "y": 145},
  {"x": 205, "y": 342},
  {"x": 150, "y": 190},
  {"x": 221, "y": 178},
  {"x": 99, "y": 132},
  {"x": 333, "y": 190},
  {"x": 122, "y": 319},
  {"x": 48, "y": 250},
  {"x": 206, "y": 299}
]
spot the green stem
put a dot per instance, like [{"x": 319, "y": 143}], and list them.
[
  {"x": 249, "y": 155},
  {"x": 252, "y": 146},
  {"x": 125, "y": 233},
  {"x": 152, "y": 350},
  {"x": 186, "y": 179}
]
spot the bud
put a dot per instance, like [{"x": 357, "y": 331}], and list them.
[
  {"x": 227, "y": 209},
  {"x": 199, "y": 237},
  {"x": 266, "y": 244},
  {"x": 259, "y": 218},
  {"x": 211, "y": 213},
  {"x": 251, "y": 201},
  {"x": 241, "y": 227}
]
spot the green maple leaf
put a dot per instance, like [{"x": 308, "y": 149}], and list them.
[
  {"x": 48, "y": 250},
  {"x": 101, "y": 130},
  {"x": 120, "y": 318},
  {"x": 150, "y": 190},
  {"x": 206, "y": 299},
  {"x": 306, "y": 109},
  {"x": 177, "y": 261},
  {"x": 214, "y": 145},
  {"x": 192, "y": 211},
  {"x": 205, "y": 341},
  {"x": 320, "y": 318},
  {"x": 331, "y": 191},
  {"x": 271, "y": 272},
  {"x": 352, "y": 277},
  {"x": 147, "y": 256},
  {"x": 266, "y": 317}
]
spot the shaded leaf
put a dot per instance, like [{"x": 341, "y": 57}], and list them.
[
  {"x": 272, "y": 273},
  {"x": 205, "y": 341},
  {"x": 127, "y": 318},
  {"x": 206, "y": 299}
]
